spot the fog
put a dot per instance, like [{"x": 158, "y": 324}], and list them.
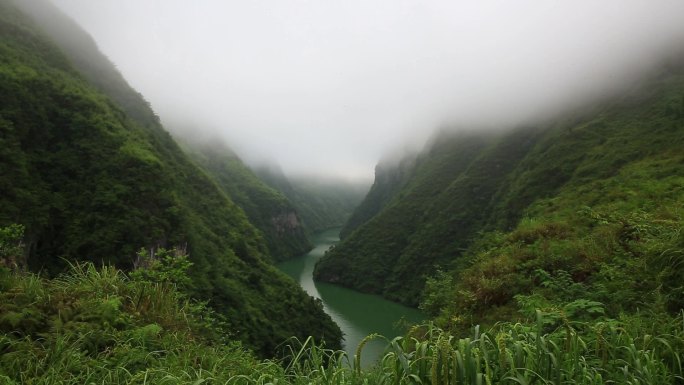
[{"x": 327, "y": 87}]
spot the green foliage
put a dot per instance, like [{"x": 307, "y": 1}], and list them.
[
  {"x": 581, "y": 353},
  {"x": 610, "y": 263},
  {"x": 390, "y": 178},
  {"x": 321, "y": 204},
  {"x": 97, "y": 326},
  {"x": 161, "y": 265},
  {"x": 11, "y": 246},
  {"x": 429, "y": 220},
  {"x": 92, "y": 175},
  {"x": 604, "y": 352},
  {"x": 267, "y": 209},
  {"x": 562, "y": 231},
  {"x": 531, "y": 185}
]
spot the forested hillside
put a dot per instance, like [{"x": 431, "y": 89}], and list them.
[
  {"x": 551, "y": 253},
  {"x": 92, "y": 175},
  {"x": 390, "y": 178},
  {"x": 509, "y": 212},
  {"x": 322, "y": 204},
  {"x": 267, "y": 209}
]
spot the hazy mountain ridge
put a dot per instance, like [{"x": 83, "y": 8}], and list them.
[
  {"x": 467, "y": 185},
  {"x": 390, "y": 177},
  {"x": 267, "y": 209},
  {"x": 84, "y": 55},
  {"x": 320, "y": 204},
  {"x": 93, "y": 181},
  {"x": 550, "y": 253}
]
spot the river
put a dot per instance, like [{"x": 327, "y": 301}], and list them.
[{"x": 357, "y": 314}]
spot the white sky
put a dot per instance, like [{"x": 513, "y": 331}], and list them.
[{"x": 327, "y": 87}]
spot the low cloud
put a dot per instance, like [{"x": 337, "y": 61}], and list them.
[{"x": 327, "y": 87}]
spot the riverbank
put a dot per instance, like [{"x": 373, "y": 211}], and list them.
[{"x": 357, "y": 314}]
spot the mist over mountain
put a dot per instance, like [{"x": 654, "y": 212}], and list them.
[
  {"x": 267, "y": 208},
  {"x": 322, "y": 203},
  {"x": 329, "y": 87},
  {"x": 525, "y": 221},
  {"x": 526, "y": 210},
  {"x": 90, "y": 175},
  {"x": 622, "y": 158}
]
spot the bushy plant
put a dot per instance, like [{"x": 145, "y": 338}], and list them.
[
  {"x": 11, "y": 246},
  {"x": 162, "y": 265}
]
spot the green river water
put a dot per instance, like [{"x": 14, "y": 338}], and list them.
[{"x": 357, "y": 314}]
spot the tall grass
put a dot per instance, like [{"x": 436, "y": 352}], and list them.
[
  {"x": 95, "y": 326},
  {"x": 600, "y": 353},
  {"x": 581, "y": 353}
]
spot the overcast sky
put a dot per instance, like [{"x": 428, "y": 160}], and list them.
[{"x": 324, "y": 86}]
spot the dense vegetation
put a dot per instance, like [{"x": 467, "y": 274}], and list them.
[
  {"x": 267, "y": 209},
  {"x": 91, "y": 182},
  {"x": 474, "y": 193},
  {"x": 325, "y": 211},
  {"x": 575, "y": 227},
  {"x": 322, "y": 204},
  {"x": 390, "y": 177},
  {"x": 430, "y": 217},
  {"x": 84, "y": 55},
  {"x": 564, "y": 241},
  {"x": 100, "y": 326}
]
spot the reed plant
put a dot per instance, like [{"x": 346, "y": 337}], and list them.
[
  {"x": 97, "y": 326},
  {"x": 606, "y": 352}
]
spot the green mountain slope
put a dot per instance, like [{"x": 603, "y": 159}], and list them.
[
  {"x": 85, "y": 56},
  {"x": 322, "y": 204},
  {"x": 267, "y": 209},
  {"x": 91, "y": 182},
  {"x": 99, "y": 326},
  {"x": 468, "y": 184},
  {"x": 390, "y": 177}
]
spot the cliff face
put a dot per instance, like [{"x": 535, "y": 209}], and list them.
[
  {"x": 286, "y": 223},
  {"x": 92, "y": 175}
]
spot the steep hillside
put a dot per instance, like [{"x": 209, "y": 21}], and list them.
[
  {"x": 322, "y": 204},
  {"x": 377, "y": 255},
  {"x": 98, "y": 326},
  {"x": 85, "y": 56},
  {"x": 83, "y": 53},
  {"x": 267, "y": 209},
  {"x": 90, "y": 182},
  {"x": 471, "y": 183},
  {"x": 390, "y": 177}
]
